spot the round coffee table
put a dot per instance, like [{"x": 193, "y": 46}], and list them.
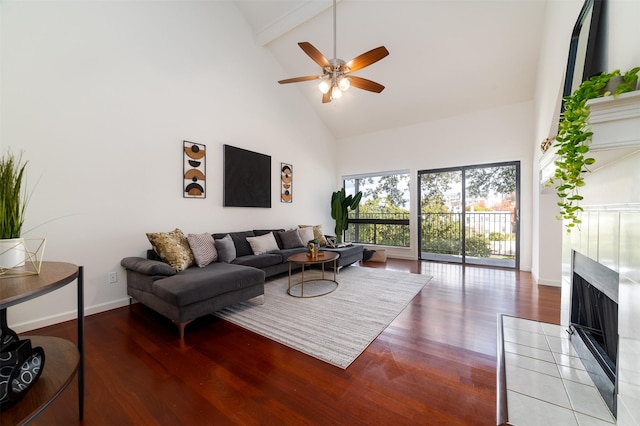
[{"x": 304, "y": 259}]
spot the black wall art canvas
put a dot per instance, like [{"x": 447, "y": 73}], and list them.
[
  {"x": 247, "y": 178},
  {"x": 286, "y": 176},
  {"x": 194, "y": 170}
]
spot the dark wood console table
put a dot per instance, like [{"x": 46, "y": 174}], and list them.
[{"x": 63, "y": 359}]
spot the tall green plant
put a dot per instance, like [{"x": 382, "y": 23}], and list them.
[
  {"x": 13, "y": 197},
  {"x": 340, "y": 205},
  {"x": 574, "y": 137}
]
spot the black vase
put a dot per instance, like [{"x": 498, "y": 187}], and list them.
[{"x": 20, "y": 367}]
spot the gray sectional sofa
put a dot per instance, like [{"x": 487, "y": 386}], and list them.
[{"x": 182, "y": 296}]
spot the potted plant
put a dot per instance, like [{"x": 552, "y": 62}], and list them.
[
  {"x": 574, "y": 137},
  {"x": 13, "y": 204},
  {"x": 313, "y": 246},
  {"x": 621, "y": 83},
  {"x": 340, "y": 205}
]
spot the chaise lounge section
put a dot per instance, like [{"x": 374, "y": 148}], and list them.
[{"x": 192, "y": 293}]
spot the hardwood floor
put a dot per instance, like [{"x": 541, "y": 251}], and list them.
[{"x": 434, "y": 365}]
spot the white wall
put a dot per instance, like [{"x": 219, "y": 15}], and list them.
[
  {"x": 100, "y": 95},
  {"x": 624, "y": 35},
  {"x": 623, "y": 53},
  {"x": 496, "y": 135},
  {"x": 547, "y": 230}
]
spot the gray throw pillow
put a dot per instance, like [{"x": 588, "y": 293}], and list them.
[
  {"x": 226, "y": 249},
  {"x": 290, "y": 239},
  {"x": 263, "y": 244}
]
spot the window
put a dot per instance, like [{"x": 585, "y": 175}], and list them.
[{"x": 382, "y": 217}]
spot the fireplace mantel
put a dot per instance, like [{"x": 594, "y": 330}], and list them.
[{"x": 615, "y": 123}]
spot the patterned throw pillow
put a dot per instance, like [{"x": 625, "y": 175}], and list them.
[
  {"x": 173, "y": 248},
  {"x": 263, "y": 244},
  {"x": 226, "y": 249},
  {"x": 203, "y": 248},
  {"x": 317, "y": 233}
]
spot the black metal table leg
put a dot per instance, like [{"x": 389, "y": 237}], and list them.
[{"x": 81, "y": 341}]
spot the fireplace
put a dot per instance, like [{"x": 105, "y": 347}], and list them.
[
  {"x": 594, "y": 323},
  {"x": 609, "y": 235}
]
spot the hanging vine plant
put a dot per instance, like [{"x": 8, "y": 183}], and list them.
[{"x": 574, "y": 138}]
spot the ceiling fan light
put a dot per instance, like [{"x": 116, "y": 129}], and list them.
[
  {"x": 324, "y": 86},
  {"x": 336, "y": 93},
  {"x": 344, "y": 83}
]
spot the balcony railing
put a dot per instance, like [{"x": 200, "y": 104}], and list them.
[
  {"x": 389, "y": 229},
  {"x": 486, "y": 234}
]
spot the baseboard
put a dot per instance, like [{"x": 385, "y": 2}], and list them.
[
  {"x": 67, "y": 316},
  {"x": 546, "y": 281},
  {"x": 96, "y": 309},
  {"x": 400, "y": 256},
  {"x": 550, "y": 283}
]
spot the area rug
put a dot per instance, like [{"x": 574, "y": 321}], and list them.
[{"x": 337, "y": 327}]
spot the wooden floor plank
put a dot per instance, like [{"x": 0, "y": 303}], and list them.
[{"x": 434, "y": 365}]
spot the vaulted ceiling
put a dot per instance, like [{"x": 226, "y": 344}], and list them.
[{"x": 447, "y": 57}]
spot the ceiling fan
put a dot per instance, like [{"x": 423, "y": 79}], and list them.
[{"x": 336, "y": 74}]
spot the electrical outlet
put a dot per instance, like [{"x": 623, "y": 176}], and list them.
[{"x": 113, "y": 277}]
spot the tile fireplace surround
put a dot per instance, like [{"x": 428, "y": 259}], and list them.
[
  {"x": 545, "y": 380},
  {"x": 610, "y": 235}
]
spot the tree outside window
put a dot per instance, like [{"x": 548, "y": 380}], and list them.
[{"x": 382, "y": 217}]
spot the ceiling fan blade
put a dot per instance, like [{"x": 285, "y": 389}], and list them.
[
  {"x": 364, "y": 84},
  {"x": 314, "y": 54},
  {"x": 298, "y": 79},
  {"x": 367, "y": 58},
  {"x": 326, "y": 97}
]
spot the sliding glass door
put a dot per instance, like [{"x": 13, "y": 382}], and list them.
[{"x": 469, "y": 214}]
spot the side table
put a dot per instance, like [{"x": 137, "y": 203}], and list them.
[{"x": 63, "y": 359}]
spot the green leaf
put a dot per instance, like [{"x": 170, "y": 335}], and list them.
[{"x": 574, "y": 134}]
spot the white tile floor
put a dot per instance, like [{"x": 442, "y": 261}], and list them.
[{"x": 546, "y": 381}]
